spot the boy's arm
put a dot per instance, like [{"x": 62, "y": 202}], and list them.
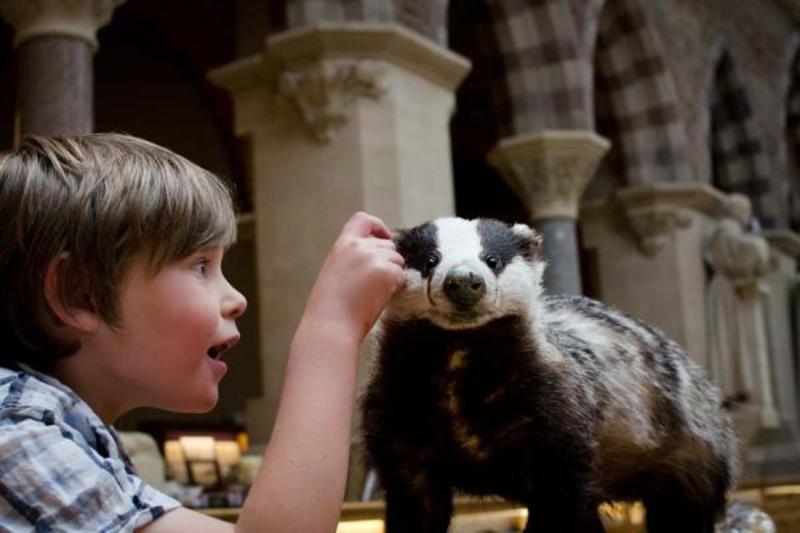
[{"x": 301, "y": 484}]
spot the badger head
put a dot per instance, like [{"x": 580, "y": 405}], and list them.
[{"x": 462, "y": 274}]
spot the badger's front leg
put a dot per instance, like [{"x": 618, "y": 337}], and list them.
[{"x": 416, "y": 502}]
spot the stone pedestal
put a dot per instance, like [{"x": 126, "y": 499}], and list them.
[
  {"x": 55, "y": 41},
  {"x": 550, "y": 171},
  {"x": 341, "y": 117}
]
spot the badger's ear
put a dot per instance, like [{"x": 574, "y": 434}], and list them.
[{"x": 532, "y": 238}]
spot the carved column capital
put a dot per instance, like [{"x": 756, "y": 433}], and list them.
[
  {"x": 653, "y": 225},
  {"x": 550, "y": 170},
  {"x": 324, "y": 91},
  {"x": 73, "y": 18}
]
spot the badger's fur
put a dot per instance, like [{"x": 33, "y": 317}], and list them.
[{"x": 485, "y": 385}]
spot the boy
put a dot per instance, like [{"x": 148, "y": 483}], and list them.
[{"x": 112, "y": 297}]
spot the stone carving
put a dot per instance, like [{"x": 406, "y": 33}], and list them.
[
  {"x": 739, "y": 362},
  {"x": 549, "y": 171},
  {"x": 324, "y": 92},
  {"x": 654, "y": 225}
]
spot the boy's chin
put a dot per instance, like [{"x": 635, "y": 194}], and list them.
[{"x": 198, "y": 405}]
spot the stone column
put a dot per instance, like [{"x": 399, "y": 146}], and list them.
[
  {"x": 341, "y": 117},
  {"x": 550, "y": 171},
  {"x": 55, "y": 41}
]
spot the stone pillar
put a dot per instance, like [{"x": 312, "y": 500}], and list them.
[
  {"x": 55, "y": 41},
  {"x": 550, "y": 171},
  {"x": 341, "y": 117}
]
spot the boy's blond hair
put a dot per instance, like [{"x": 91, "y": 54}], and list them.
[{"x": 97, "y": 201}]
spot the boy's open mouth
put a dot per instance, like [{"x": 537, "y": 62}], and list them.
[{"x": 215, "y": 352}]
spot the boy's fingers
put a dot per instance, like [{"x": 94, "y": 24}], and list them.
[
  {"x": 363, "y": 225},
  {"x": 391, "y": 256},
  {"x": 382, "y": 243}
]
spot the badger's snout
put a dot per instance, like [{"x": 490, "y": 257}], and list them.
[{"x": 463, "y": 287}]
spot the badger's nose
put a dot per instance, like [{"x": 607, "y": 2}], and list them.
[{"x": 463, "y": 287}]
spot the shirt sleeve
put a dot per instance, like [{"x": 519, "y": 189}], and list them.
[{"x": 53, "y": 481}]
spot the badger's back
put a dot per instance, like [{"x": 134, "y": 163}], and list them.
[{"x": 652, "y": 408}]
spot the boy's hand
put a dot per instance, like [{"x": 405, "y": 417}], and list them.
[{"x": 359, "y": 276}]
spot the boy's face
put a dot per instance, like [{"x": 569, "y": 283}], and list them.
[{"x": 173, "y": 328}]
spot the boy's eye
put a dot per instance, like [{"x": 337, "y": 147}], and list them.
[{"x": 201, "y": 267}]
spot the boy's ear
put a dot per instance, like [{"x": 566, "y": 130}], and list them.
[{"x": 79, "y": 316}]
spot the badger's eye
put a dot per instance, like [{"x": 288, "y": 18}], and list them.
[{"x": 492, "y": 261}]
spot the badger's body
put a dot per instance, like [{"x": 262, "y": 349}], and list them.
[{"x": 484, "y": 385}]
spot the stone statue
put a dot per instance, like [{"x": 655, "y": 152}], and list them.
[{"x": 738, "y": 345}]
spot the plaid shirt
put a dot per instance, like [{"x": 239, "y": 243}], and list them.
[{"x": 61, "y": 468}]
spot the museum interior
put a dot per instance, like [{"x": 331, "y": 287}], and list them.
[{"x": 654, "y": 143}]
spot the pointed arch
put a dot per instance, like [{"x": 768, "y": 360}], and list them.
[
  {"x": 636, "y": 103},
  {"x": 737, "y": 158},
  {"x": 540, "y": 57}
]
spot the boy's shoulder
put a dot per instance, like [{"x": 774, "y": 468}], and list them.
[
  {"x": 24, "y": 392},
  {"x": 61, "y": 467}
]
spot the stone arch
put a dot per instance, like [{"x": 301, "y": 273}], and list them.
[
  {"x": 635, "y": 100},
  {"x": 540, "y": 57},
  {"x": 737, "y": 158}
]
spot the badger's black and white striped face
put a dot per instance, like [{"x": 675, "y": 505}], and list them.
[{"x": 464, "y": 273}]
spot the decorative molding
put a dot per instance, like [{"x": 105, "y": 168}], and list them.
[
  {"x": 550, "y": 170},
  {"x": 324, "y": 92},
  {"x": 72, "y": 18},
  {"x": 367, "y": 40},
  {"x": 654, "y": 225},
  {"x": 389, "y": 45},
  {"x": 654, "y": 211}
]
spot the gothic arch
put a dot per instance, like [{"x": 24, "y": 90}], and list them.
[
  {"x": 635, "y": 100},
  {"x": 737, "y": 158},
  {"x": 540, "y": 55}
]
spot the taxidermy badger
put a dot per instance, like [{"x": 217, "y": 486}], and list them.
[{"x": 487, "y": 386}]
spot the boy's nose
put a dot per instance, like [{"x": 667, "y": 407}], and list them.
[{"x": 235, "y": 304}]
